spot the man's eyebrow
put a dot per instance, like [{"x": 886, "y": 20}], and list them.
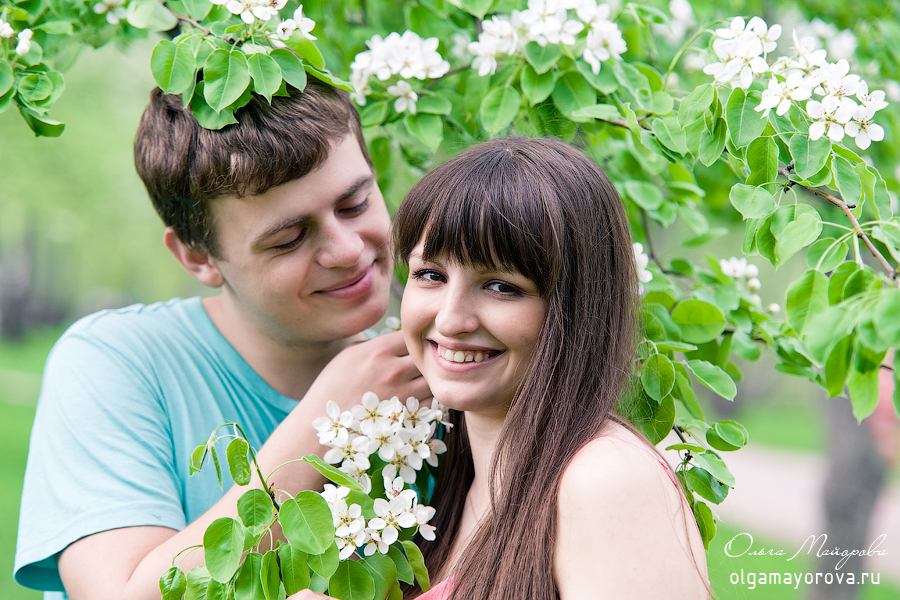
[{"x": 348, "y": 193}]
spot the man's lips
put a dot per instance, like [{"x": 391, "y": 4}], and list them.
[{"x": 356, "y": 284}]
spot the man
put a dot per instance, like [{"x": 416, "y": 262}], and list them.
[{"x": 282, "y": 212}]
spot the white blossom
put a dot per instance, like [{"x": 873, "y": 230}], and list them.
[
  {"x": 24, "y": 45},
  {"x": 604, "y": 41},
  {"x": 830, "y": 117},
  {"x": 781, "y": 94},
  {"x": 6, "y": 30},
  {"x": 334, "y": 429},
  {"x": 773, "y": 308},
  {"x": 392, "y": 517},
  {"x": 304, "y": 24},
  {"x": 406, "y": 97},
  {"x": 406, "y": 55},
  {"x": 863, "y": 129},
  {"x": 642, "y": 260},
  {"x": 734, "y": 267},
  {"x": 113, "y": 9},
  {"x": 424, "y": 514},
  {"x": 753, "y": 284},
  {"x": 874, "y": 99}
]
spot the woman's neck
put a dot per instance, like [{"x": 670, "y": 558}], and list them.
[{"x": 483, "y": 432}]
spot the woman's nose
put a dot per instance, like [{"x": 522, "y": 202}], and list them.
[{"x": 456, "y": 314}]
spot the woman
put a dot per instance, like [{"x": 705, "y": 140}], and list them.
[{"x": 520, "y": 312}]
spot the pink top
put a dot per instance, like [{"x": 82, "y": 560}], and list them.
[{"x": 443, "y": 590}]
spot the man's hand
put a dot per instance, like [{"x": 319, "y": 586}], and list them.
[{"x": 126, "y": 563}]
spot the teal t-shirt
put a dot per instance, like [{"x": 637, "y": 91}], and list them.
[{"x": 126, "y": 396}]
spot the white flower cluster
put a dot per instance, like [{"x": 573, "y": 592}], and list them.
[
  {"x": 402, "y": 436},
  {"x": 548, "y": 22},
  {"x": 113, "y": 9},
  {"x": 24, "y": 37},
  {"x": 683, "y": 20},
  {"x": 642, "y": 260},
  {"x": 742, "y": 49},
  {"x": 253, "y": 10},
  {"x": 407, "y": 56},
  {"x": 740, "y": 269}
]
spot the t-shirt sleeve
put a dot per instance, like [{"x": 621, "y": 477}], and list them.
[{"x": 100, "y": 457}]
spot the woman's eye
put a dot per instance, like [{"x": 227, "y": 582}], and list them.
[
  {"x": 427, "y": 275},
  {"x": 503, "y": 287}
]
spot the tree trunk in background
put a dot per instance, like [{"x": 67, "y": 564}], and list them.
[
  {"x": 854, "y": 481},
  {"x": 16, "y": 275}
]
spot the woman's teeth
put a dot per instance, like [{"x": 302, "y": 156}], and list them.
[{"x": 459, "y": 356}]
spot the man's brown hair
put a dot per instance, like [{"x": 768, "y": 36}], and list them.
[{"x": 185, "y": 166}]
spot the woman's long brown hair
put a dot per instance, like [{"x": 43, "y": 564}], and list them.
[{"x": 542, "y": 208}]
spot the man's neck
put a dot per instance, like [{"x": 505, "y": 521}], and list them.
[{"x": 288, "y": 367}]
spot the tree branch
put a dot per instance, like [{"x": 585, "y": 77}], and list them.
[
  {"x": 187, "y": 19},
  {"x": 846, "y": 208}
]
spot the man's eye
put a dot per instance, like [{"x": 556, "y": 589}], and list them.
[
  {"x": 355, "y": 209},
  {"x": 293, "y": 243}
]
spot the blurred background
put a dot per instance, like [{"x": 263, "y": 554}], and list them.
[{"x": 78, "y": 234}]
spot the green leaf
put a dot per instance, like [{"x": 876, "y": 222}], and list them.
[
  {"x": 752, "y": 202},
  {"x": 809, "y": 155},
  {"x": 374, "y": 113},
  {"x": 820, "y": 257},
  {"x": 847, "y": 180},
  {"x": 172, "y": 66},
  {"x": 6, "y": 77},
  {"x": 433, "y": 104},
  {"x": 712, "y": 143},
  {"x": 838, "y": 366},
  {"x": 476, "y": 7},
  {"x": 324, "y": 564},
  {"x": 41, "y": 126},
  {"x": 744, "y": 123},
  {"x": 248, "y": 585},
  {"x": 695, "y": 104},
  {"x": 307, "y": 50},
  {"x": 294, "y": 569},
  {"x": 218, "y": 591},
  {"x": 152, "y": 16},
  {"x": 670, "y": 134},
  {"x": 604, "y": 80},
  {"x": 256, "y": 510},
  {"x": 198, "y": 581},
  {"x": 223, "y": 544},
  {"x": 238, "y": 463},
  {"x": 265, "y": 73},
  {"x": 404, "y": 570},
  {"x": 714, "y": 465},
  {"x": 713, "y": 377},
  {"x": 197, "y": 457},
  {"x": 658, "y": 376},
  {"x": 572, "y": 92},
  {"x": 863, "y": 392},
  {"x": 210, "y": 119},
  {"x": 762, "y": 158},
  {"x": 351, "y": 581},
  {"x": 335, "y": 475},
  {"x": 645, "y": 195},
  {"x": 328, "y": 77},
  {"x": 542, "y": 58},
  {"x": 307, "y": 523},
  {"x": 700, "y": 321},
  {"x": 827, "y": 329},
  {"x": 706, "y": 523},
  {"x": 197, "y": 9},
  {"x": 225, "y": 77},
  {"x": 536, "y": 86},
  {"x": 499, "y": 107},
  {"x": 839, "y": 280},
  {"x": 807, "y": 297},
  {"x": 701, "y": 482},
  {"x": 383, "y": 573},
  {"x": 291, "y": 67},
  {"x": 35, "y": 87},
  {"x": 802, "y": 231},
  {"x": 417, "y": 562},
  {"x": 172, "y": 584},
  {"x": 429, "y": 129},
  {"x": 270, "y": 575},
  {"x": 887, "y": 317},
  {"x": 604, "y": 112}
]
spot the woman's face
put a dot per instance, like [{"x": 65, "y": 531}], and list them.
[{"x": 470, "y": 332}]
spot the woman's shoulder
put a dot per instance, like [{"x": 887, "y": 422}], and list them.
[{"x": 617, "y": 462}]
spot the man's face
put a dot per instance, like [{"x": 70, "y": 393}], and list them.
[{"x": 308, "y": 261}]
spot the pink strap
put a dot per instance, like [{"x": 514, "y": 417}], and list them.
[{"x": 439, "y": 592}]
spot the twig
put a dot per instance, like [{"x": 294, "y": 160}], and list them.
[
  {"x": 187, "y": 19},
  {"x": 653, "y": 256},
  {"x": 851, "y": 217}
]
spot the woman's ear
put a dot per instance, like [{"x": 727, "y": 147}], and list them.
[{"x": 195, "y": 260}]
